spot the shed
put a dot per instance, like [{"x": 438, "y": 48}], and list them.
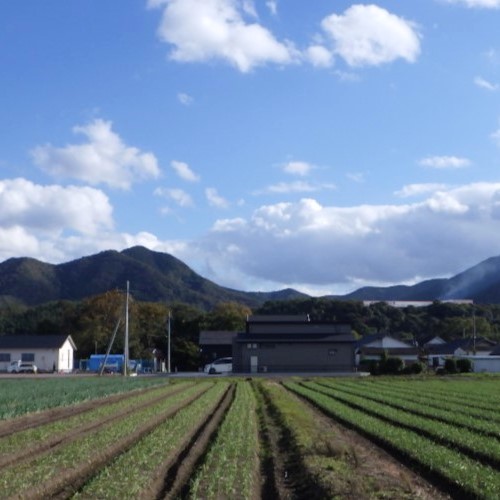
[
  {"x": 216, "y": 344},
  {"x": 48, "y": 352},
  {"x": 293, "y": 344}
]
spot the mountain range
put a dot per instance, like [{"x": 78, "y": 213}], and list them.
[{"x": 156, "y": 277}]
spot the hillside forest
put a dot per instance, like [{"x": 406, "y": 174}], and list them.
[{"x": 92, "y": 321}]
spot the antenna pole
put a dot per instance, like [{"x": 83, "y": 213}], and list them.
[{"x": 168, "y": 342}]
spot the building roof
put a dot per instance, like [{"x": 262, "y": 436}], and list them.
[
  {"x": 217, "y": 337},
  {"x": 278, "y": 318},
  {"x": 34, "y": 341},
  {"x": 466, "y": 344},
  {"x": 296, "y": 337}
]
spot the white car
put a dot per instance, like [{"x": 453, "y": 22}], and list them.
[
  {"x": 22, "y": 367},
  {"x": 221, "y": 365}
]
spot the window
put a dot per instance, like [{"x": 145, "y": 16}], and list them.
[
  {"x": 5, "y": 356},
  {"x": 28, "y": 356},
  {"x": 251, "y": 346},
  {"x": 332, "y": 352}
]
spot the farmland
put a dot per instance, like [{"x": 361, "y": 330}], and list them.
[{"x": 230, "y": 437}]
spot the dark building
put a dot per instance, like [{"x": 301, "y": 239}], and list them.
[
  {"x": 293, "y": 344},
  {"x": 215, "y": 344}
]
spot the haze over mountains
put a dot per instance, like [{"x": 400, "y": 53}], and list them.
[{"x": 156, "y": 276}]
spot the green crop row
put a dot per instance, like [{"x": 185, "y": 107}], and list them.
[
  {"x": 462, "y": 474},
  {"x": 132, "y": 473},
  {"x": 469, "y": 442},
  {"x": 21, "y": 396},
  {"x": 31, "y": 438},
  {"x": 469, "y": 392},
  {"x": 45, "y": 468},
  {"x": 429, "y": 400},
  {"x": 442, "y": 413},
  {"x": 230, "y": 469}
]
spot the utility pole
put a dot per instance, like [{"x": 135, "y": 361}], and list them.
[
  {"x": 168, "y": 342},
  {"x": 126, "y": 349}
]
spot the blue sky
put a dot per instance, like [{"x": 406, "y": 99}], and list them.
[{"x": 320, "y": 145}]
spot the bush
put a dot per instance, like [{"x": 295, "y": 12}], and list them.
[
  {"x": 450, "y": 365},
  {"x": 464, "y": 365},
  {"x": 391, "y": 366},
  {"x": 414, "y": 368}
]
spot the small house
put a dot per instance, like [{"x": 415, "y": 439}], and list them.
[
  {"x": 48, "y": 352},
  {"x": 373, "y": 347}
]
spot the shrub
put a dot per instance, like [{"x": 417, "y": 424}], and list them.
[
  {"x": 391, "y": 366},
  {"x": 450, "y": 365},
  {"x": 464, "y": 365},
  {"x": 414, "y": 368}
]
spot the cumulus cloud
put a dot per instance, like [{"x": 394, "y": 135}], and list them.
[
  {"x": 184, "y": 171},
  {"x": 368, "y": 35},
  {"x": 53, "y": 209},
  {"x": 485, "y": 4},
  {"x": 272, "y": 5},
  {"x": 294, "y": 187},
  {"x": 419, "y": 189},
  {"x": 444, "y": 162},
  {"x": 300, "y": 168},
  {"x": 103, "y": 159},
  {"x": 204, "y": 30},
  {"x": 319, "y": 56},
  {"x": 214, "y": 199},
  {"x": 485, "y": 84},
  {"x": 307, "y": 242},
  {"x": 495, "y": 136},
  {"x": 179, "y": 196}
]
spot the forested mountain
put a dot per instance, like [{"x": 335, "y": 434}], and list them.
[
  {"x": 153, "y": 277},
  {"x": 160, "y": 277}
]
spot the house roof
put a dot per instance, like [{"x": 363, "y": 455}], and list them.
[
  {"x": 391, "y": 351},
  {"x": 374, "y": 337},
  {"x": 217, "y": 337},
  {"x": 296, "y": 338},
  {"x": 466, "y": 344},
  {"x": 278, "y": 318},
  {"x": 34, "y": 341}
]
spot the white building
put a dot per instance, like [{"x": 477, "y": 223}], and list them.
[{"x": 48, "y": 352}]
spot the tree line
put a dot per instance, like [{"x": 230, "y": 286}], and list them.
[{"x": 91, "y": 322}]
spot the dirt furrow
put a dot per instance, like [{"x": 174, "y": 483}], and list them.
[
  {"x": 72, "y": 479},
  {"x": 175, "y": 483},
  {"x": 37, "y": 449}
]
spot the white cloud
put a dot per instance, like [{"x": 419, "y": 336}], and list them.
[
  {"x": 419, "y": 189},
  {"x": 204, "y": 30},
  {"x": 184, "y": 171},
  {"x": 185, "y": 99},
  {"x": 294, "y": 187},
  {"x": 356, "y": 176},
  {"x": 300, "y": 168},
  {"x": 319, "y": 56},
  {"x": 444, "y": 162},
  {"x": 214, "y": 199},
  {"x": 103, "y": 159},
  {"x": 485, "y": 84},
  {"x": 179, "y": 196},
  {"x": 368, "y": 35},
  {"x": 53, "y": 209},
  {"x": 495, "y": 136},
  {"x": 485, "y": 4},
  {"x": 272, "y": 5},
  {"x": 312, "y": 244}
]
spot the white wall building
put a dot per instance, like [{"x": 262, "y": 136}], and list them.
[{"x": 48, "y": 352}]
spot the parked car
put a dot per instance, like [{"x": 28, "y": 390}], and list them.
[
  {"x": 22, "y": 367},
  {"x": 221, "y": 365}
]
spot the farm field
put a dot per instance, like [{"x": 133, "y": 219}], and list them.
[{"x": 229, "y": 437}]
